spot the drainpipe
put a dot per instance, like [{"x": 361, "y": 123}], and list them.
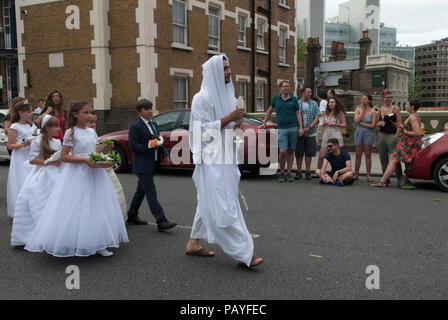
[{"x": 252, "y": 75}]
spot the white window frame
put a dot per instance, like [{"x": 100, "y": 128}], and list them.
[
  {"x": 240, "y": 31},
  {"x": 260, "y": 34},
  {"x": 218, "y": 19},
  {"x": 259, "y": 88},
  {"x": 282, "y": 47},
  {"x": 244, "y": 95},
  {"x": 183, "y": 101},
  {"x": 185, "y": 27}
]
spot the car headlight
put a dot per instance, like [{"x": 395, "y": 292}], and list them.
[{"x": 431, "y": 139}]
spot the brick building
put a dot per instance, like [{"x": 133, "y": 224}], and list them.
[
  {"x": 111, "y": 53},
  {"x": 8, "y": 53}
]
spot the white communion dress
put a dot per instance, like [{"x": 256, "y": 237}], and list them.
[
  {"x": 34, "y": 193},
  {"x": 17, "y": 170},
  {"x": 82, "y": 215}
]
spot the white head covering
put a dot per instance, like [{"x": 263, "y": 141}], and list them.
[
  {"x": 45, "y": 120},
  {"x": 213, "y": 86}
]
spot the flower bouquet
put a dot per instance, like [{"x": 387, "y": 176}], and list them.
[
  {"x": 105, "y": 147},
  {"x": 102, "y": 160},
  {"x": 155, "y": 141}
]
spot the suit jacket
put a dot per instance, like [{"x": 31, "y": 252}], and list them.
[{"x": 143, "y": 158}]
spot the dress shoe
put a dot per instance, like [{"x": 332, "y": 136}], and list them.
[
  {"x": 105, "y": 253},
  {"x": 165, "y": 225},
  {"x": 136, "y": 221}
]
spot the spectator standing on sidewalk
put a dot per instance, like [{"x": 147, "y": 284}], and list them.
[
  {"x": 389, "y": 121},
  {"x": 333, "y": 121},
  {"x": 322, "y": 99},
  {"x": 306, "y": 144},
  {"x": 289, "y": 122},
  {"x": 365, "y": 120}
]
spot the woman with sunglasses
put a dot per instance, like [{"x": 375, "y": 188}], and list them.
[{"x": 389, "y": 122}]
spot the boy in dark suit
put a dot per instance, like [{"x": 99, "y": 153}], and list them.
[{"x": 144, "y": 160}]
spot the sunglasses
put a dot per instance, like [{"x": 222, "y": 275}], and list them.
[{"x": 329, "y": 146}]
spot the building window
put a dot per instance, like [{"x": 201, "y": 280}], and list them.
[
  {"x": 283, "y": 2},
  {"x": 180, "y": 93},
  {"x": 260, "y": 35},
  {"x": 179, "y": 21},
  {"x": 242, "y": 92},
  {"x": 282, "y": 46},
  {"x": 213, "y": 28},
  {"x": 260, "y": 96},
  {"x": 242, "y": 30}
]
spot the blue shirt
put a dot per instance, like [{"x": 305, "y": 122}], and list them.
[{"x": 286, "y": 111}]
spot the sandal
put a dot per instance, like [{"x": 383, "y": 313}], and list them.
[
  {"x": 253, "y": 263},
  {"x": 200, "y": 253},
  {"x": 379, "y": 184}
]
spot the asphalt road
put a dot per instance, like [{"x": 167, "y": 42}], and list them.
[{"x": 317, "y": 242}]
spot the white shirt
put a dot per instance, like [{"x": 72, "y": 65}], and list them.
[
  {"x": 150, "y": 130},
  {"x": 322, "y": 106}
]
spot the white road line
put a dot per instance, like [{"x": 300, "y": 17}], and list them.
[{"x": 254, "y": 235}]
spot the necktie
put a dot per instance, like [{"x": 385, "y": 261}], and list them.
[
  {"x": 154, "y": 131},
  {"x": 153, "y": 128}
]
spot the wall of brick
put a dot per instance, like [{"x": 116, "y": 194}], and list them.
[{"x": 45, "y": 33}]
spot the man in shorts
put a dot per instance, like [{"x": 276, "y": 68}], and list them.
[
  {"x": 306, "y": 143},
  {"x": 289, "y": 122}
]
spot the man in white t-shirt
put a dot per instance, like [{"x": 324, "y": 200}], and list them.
[{"x": 322, "y": 99}]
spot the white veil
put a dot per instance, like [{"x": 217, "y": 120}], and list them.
[{"x": 213, "y": 86}]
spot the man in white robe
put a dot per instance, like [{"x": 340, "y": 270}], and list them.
[{"x": 218, "y": 218}]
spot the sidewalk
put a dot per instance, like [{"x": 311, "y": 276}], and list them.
[{"x": 376, "y": 164}]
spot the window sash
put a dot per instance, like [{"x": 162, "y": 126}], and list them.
[
  {"x": 242, "y": 30},
  {"x": 180, "y": 93},
  {"x": 260, "y": 96},
  {"x": 242, "y": 92},
  {"x": 282, "y": 45},
  {"x": 179, "y": 21},
  {"x": 213, "y": 28},
  {"x": 260, "y": 35}
]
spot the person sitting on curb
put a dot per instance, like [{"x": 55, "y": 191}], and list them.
[{"x": 341, "y": 166}]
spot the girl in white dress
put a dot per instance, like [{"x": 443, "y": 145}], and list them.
[
  {"x": 19, "y": 139},
  {"x": 40, "y": 181},
  {"x": 82, "y": 216}
]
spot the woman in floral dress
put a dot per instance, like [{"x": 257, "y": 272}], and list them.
[{"x": 408, "y": 146}]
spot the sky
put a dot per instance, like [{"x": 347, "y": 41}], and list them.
[{"x": 418, "y": 22}]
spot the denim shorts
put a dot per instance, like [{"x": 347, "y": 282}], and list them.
[{"x": 287, "y": 138}]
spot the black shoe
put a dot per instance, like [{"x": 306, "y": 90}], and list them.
[
  {"x": 308, "y": 176},
  {"x": 298, "y": 175},
  {"x": 165, "y": 225},
  {"x": 136, "y": 221}
]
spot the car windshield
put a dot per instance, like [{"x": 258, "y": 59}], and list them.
[{"x": 252, "y": 120}]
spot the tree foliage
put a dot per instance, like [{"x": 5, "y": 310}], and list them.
[
  {"x": 301, "y": 48},
  {"x": 416, "y": 89}
]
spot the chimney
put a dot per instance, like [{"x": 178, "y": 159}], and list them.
[
  {"x": 364, "y": 49},
  {"x": 340, "y": 52},
  {"x": 312, "y": 60}
]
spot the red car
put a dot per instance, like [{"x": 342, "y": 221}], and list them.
[
  {"x": 174, "y": 125},
  {"x": 431, "y": 162}
]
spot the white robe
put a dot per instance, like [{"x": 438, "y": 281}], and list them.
[{"x": 218, "y": 217}]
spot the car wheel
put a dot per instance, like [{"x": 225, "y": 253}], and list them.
[
  {"x": 441, "y": 174},
  {"x": 121, "y": 166}
]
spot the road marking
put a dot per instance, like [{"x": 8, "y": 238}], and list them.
[{"x": 254, "y": 235}]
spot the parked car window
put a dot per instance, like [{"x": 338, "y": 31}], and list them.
[
  {"x": 166, "y": 121},
  {"x": 251, "y": 120},
  {"x": 185, "y": 122}
]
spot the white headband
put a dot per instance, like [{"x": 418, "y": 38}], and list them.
[{"x": 45, "y": 120}]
